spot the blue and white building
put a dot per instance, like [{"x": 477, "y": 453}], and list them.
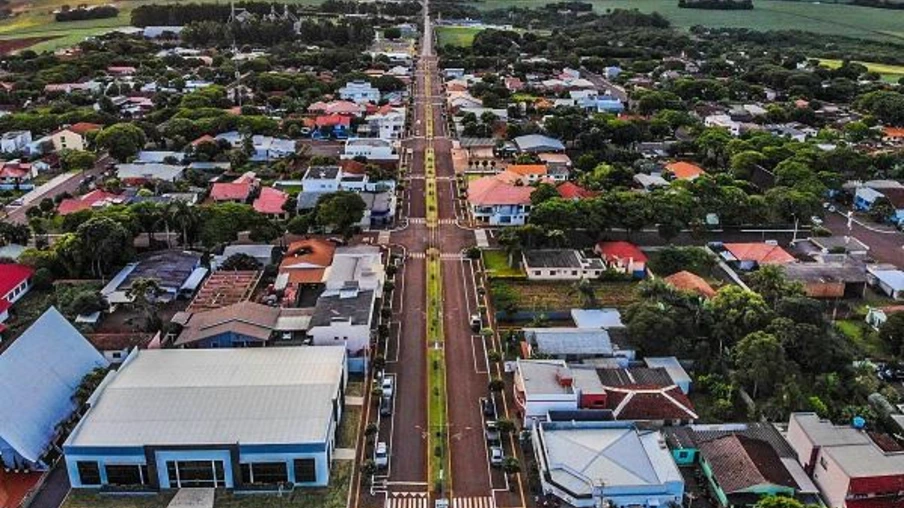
[
  {"x": 590, "y": 464},
  {"x": 245, "y": 418},
  {"x": 359, "y": 92},
  {"x": 39, "y": 373}
]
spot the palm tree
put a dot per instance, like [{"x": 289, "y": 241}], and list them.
[
  {"x": 510, "y": 240},
  {"x": 588, "y": 294},
  {"x": 185, "y": 217},
  {"x": 556, "y": 237}
]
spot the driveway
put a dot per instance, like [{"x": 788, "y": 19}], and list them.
[{"x": 885, "y": 245}]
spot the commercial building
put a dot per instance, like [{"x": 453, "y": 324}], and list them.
[
  {"x": 227, "y": 418},
  {"x": 591, "y": 464}
]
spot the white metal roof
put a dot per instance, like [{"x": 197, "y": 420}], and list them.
[{"x": 204, "y": 396}]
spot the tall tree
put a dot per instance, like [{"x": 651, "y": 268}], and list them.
[
  {"x": 122, "y": 140},
  {"x": 341, "y": 210},
  {"x": 760, "y": 361}
]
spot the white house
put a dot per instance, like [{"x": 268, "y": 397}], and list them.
[
  {"x": 561, "y": 264},
  {"x": 344, "y": 317},
  {"x": 266, "y": 148},
  {"x": 495, "y": 202},
  {"x": 542, "y": 386},
  {"x": 889, "y": 281},
  {"x": 15, "y": 141},
  {"x": 723, "y": 121},
  {"x": 369, "y": 148},
  {"x": 359, "y": 91},
  {"x": 386, "y": 125}
]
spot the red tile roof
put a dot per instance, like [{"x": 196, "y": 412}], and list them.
[
  {"x": 644, "y": 402},
  {"x": 762, "y": 253},
  {"x": 691, "y": 282},
  {"x": 230, "y": 191},
  {"x": 740, "y": 463},
  {"x": 894, "y": 132},
  {"x": 571, "y": 190},
  {"x": 527, "y": 169},
  {"x": 332, "y": 120},
  {"x": 19, "y": 170},
  {"x": 271, "y": 201},
  {"x": 684, "y": 170},
  {"x": 72, "y": 205},
  {"x": 207, "y": 138},
  {"x": 489, "y": 191},
  {"x": 306, "y": 260},
  {"x": 11, "y": 275},
  {"x": 85, "y": 127},
  {"x": 620, "y": 250}
]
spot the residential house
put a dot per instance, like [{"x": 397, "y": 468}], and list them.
[
  {"x": 370, "y": 148},
  {"x": 742, "y": 462},
  {"x": 851, "y": 469},
  {"x": 178, "y": 273},
  {"x": 331, "y": 126},
  {"x": 646, "y": 394},
  {"x": 15, "y": 281},
  {"x": 160, "y": 157},
  {"x": 575, "y": 344},
  {"x": 624, "y": 257},
  {"x": 344, "y": 108},
  {"x": 74, "y": 137},
  {"x": 17, "y": 175},
  {"x": 497, "y": 203},
  {"x": 242, "y": 324},
  {"x": 750, "y": 256},
  {"x": 478, "y": 149},
  {"x": 684, "y": 170},
  {"x": 115, "y": 347},
  {"x": 136, "y": 174},
  {"x": 41, "y": 372},
  {"x": 650, "y": 182},
  {"x": 359, "y": 92},
  {"x": 227, "y": 287},
  {"x": 528, "y": 173},
  {"x": 306, "y": 261},
  {"x": 887, "y": 279},
  {"x": 92, "y": 200},
  {"x": 587, "y": 464},
  {"x": 537, "y": 143},
  {"x": 344, "y": 317},
  {"x": 272, "y": 202},
  {"x": 829, "y": 280},
  {"x": 574, "y": 192},
  {"x": 690, "y": 283},
  {"x": 170, "y": 419},
  {"x": 387, "y": 123},
  {"x": 673, "y": 368},
  {"x": 14, "y": 141},
  {"x": 723, "y": 121},
  {"x": 237, "y": 191},
  {"x": 561, "y": 264},
  {"x": 264, "y": 254},
  {"x": 266, "y": 148}
]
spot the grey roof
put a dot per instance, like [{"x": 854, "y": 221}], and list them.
[
  {"x": 690, "y": 436},
  {"x": 597, "y": 318},
  {"x": 671, "y": 365},
  {"x": 308, "y": 200},
  {"x": 570, "y": 341},
  {"x": 893, "y": 278},
  {"x": 577, "y": 455},
  {"x": 477, "y": 142},
  {"x": 635, "y": 376},
  {"x": 323, "y": 172},
  {"x": 268, "y": 395},
  {"x": 257, "y": 251},
  {"x": 12, "y": 251},
  {"x": 538, "y": 143},
  {"x": 356, "y": 307},
  {"x": 826, "y": 272},
  {"x": 39, "y": 373},
  {"x": 154, "y": 171},
  {"x": 170, "y": 268},
  {"x": 551, "y": 258},
  {"x": 539, "y": 376}
]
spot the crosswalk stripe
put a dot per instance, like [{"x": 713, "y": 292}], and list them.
[{"x": 407, "y": 500}]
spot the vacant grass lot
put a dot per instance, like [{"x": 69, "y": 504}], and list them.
[
  {"x": 456, "y": 35},
  {"x": 496, "y": 262},
  {"x": 831, "y": 19},
  {"x": 348, "y": 427}
]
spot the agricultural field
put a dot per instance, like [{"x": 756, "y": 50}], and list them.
[
  {"x": 833, "y": 19},
  {"x": 559, "y": 296},
  {"x": 456, "y": 35},
  {"x": 889, "y": 73}
]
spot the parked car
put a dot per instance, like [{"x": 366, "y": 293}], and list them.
[
  {"x": 496, "y": 456},
  {"x": 476, "y": 322},
  {"x": 386, "y": 406},
  {"x": 387, "y": 385},
  {"x": 381, "y": 455},
  {"x": 489, "y": 407},
  {"x": 492, "y": 433}
]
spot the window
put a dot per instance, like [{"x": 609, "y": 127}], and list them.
[
  {"x": 196, "y": 473},
  {"x": 265, "y": 473},
  {"x": 126, "y": 474},
  {"x": 117, "y": 355},
  {"x": 88, "y": 472},
  {"x": 537, "y": 272},
  {"x": 574, "y": 272},
  {"x": 305, "y": 470}
]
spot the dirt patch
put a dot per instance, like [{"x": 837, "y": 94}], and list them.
[{"x": 10, "y": 46}]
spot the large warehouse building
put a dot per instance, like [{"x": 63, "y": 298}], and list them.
[{"x": 228, "y": 418}]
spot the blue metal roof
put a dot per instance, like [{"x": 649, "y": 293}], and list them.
[{"x": 39, "y": 373}]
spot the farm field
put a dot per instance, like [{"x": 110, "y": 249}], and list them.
[
  {"x": 833, "y": 19},
  {"x": 560, "y": 296},
  {"x": 890, "y": 73},
  {"x": 456, "y": 35}
]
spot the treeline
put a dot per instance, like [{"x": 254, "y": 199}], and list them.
[
  {"x": 183, "y": 14},
  {"x": 383, "y": 8},
  {"x": 347, "y": 32},
  {"x": 724, "y": 5},
  {"x": 100, "y": 12}
]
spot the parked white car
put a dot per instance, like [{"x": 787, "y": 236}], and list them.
[{"x": 381, "y": 455}]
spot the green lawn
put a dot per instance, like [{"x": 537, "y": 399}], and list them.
[
  {"x": 864, "y": 338},
  {"x": 826, "y": 18},
  {"x": 496, "y": 262},
  {"x": 79, "y": 499},
  {"x": 456, "y": 35},
  {"x": 436, "y": 379},
  {"x": 348, "y": 427}
]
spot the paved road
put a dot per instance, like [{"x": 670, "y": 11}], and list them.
[
  {"x": 885, "y": 247},
  {"x": 54, "y": 490},
  {"x": 69, "y": 185}
]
